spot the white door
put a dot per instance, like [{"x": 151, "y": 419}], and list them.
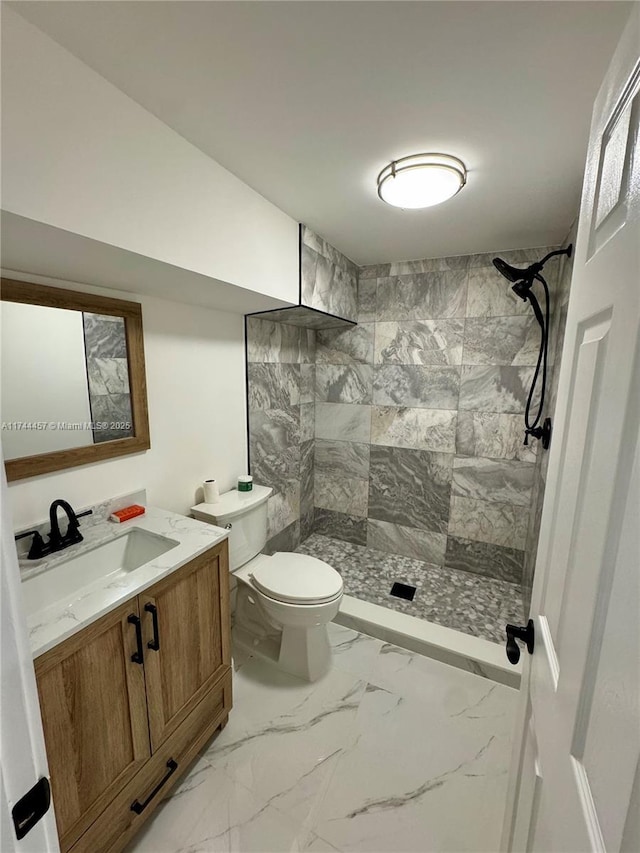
[
  {"x": 575, "y": 783},
  {"x": 22, "y": 754}
]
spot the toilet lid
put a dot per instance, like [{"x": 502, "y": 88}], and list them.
[{"x": 297, "y": 578}]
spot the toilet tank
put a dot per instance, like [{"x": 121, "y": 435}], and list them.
[{"x": 246, "y": 515}]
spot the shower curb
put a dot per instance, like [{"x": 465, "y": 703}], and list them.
[{"x": 463, "y": 651}]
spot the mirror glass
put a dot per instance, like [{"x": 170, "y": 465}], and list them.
[{"x": 65, "y": 379}]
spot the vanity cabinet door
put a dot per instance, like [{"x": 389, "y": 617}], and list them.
[
  {"x": 94, "y": 714},
  {"x": 186, "y": 639}
]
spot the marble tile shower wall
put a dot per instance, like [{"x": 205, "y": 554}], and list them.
[
  {"x": 419, "y": 416},
  {"x": 280, "y": 402},
  {"x": 329, "y": 279}
]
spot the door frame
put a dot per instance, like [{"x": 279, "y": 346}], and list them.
[{"x": 23, "y": 756}]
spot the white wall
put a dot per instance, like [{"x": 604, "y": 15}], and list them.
[
  {"x": 80, "y": 155},
  {"x": 44, "y": 378},
  {"x": 196, "y": 391}
]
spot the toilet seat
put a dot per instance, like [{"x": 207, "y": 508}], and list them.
[{"x": 297, "y": 579}]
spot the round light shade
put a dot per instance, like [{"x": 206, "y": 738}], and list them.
[{"x": 421, "y": 180}]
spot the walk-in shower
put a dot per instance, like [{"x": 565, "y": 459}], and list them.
[{"x": 395, "y": 444}]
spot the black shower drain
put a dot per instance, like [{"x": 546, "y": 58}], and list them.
[{"x": 403, "y": 590}]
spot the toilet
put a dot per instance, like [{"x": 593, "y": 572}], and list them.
[{"x": 284, "y": 602}]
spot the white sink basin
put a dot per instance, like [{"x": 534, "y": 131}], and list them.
[{"x": 108, "y": 563}]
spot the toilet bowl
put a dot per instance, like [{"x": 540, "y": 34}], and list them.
[
  {"x": 284, "y": 602},
  {"x": 295, "y": 596}
]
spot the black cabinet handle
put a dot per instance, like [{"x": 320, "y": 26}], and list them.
[
  {"x": 137, "y": 806},
  {"x": 155, "y": 643},
  {"x": 137, "y": 657}
]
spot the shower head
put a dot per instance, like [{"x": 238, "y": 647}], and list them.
[
  {"x": 522, "y": 279},
  {"x": 512, "y": 274}
]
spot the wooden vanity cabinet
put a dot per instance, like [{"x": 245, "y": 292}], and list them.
[
  {"x": 129, "y": 701},
  {"x": 186, "y": 643}
]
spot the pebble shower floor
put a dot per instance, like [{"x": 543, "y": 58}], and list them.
[{"x": 473, "y": 604}]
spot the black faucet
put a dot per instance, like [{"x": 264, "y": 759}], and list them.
[{"x": 57, "y": 541}]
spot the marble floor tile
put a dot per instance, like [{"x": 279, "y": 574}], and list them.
[
  {"x": 456, "y": 766},
  {"x": 284, "y": 734},
  {"x": 353, "y": 652},
  {"x": 343, "y": 421},
  {"x": 212, "y": 813},
  {"x": 419, "y": 342},
  {"x": 383, "y": 753}
]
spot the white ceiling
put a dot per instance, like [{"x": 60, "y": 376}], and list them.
[{"x": 307, "y": 101}]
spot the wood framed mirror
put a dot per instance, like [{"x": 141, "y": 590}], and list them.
[{"x": 73, "y": 387}]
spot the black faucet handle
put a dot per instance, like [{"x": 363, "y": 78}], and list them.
[
  {"x": 37, "y": 549},
  {"x": 72, "y": 533}
]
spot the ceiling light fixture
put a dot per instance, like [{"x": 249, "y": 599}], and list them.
[{"x": 421, "y": 180}]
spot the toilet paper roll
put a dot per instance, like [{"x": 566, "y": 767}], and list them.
[{"x": 211, "y": 491}]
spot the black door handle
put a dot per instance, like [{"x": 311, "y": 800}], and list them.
[
  {"x": 519, "y": 632},
  {"x": 155, "y": 643},
  {"x": 137, "y": 806},
  {"x": 137, "y": 657}
]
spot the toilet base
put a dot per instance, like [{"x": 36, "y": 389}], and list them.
[{"x": 303, "y": 652}]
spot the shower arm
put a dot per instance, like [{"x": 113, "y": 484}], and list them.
[{"x": 556, "y": 252}]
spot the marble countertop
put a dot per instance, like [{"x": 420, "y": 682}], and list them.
[{"x": 57, "y": 622}]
